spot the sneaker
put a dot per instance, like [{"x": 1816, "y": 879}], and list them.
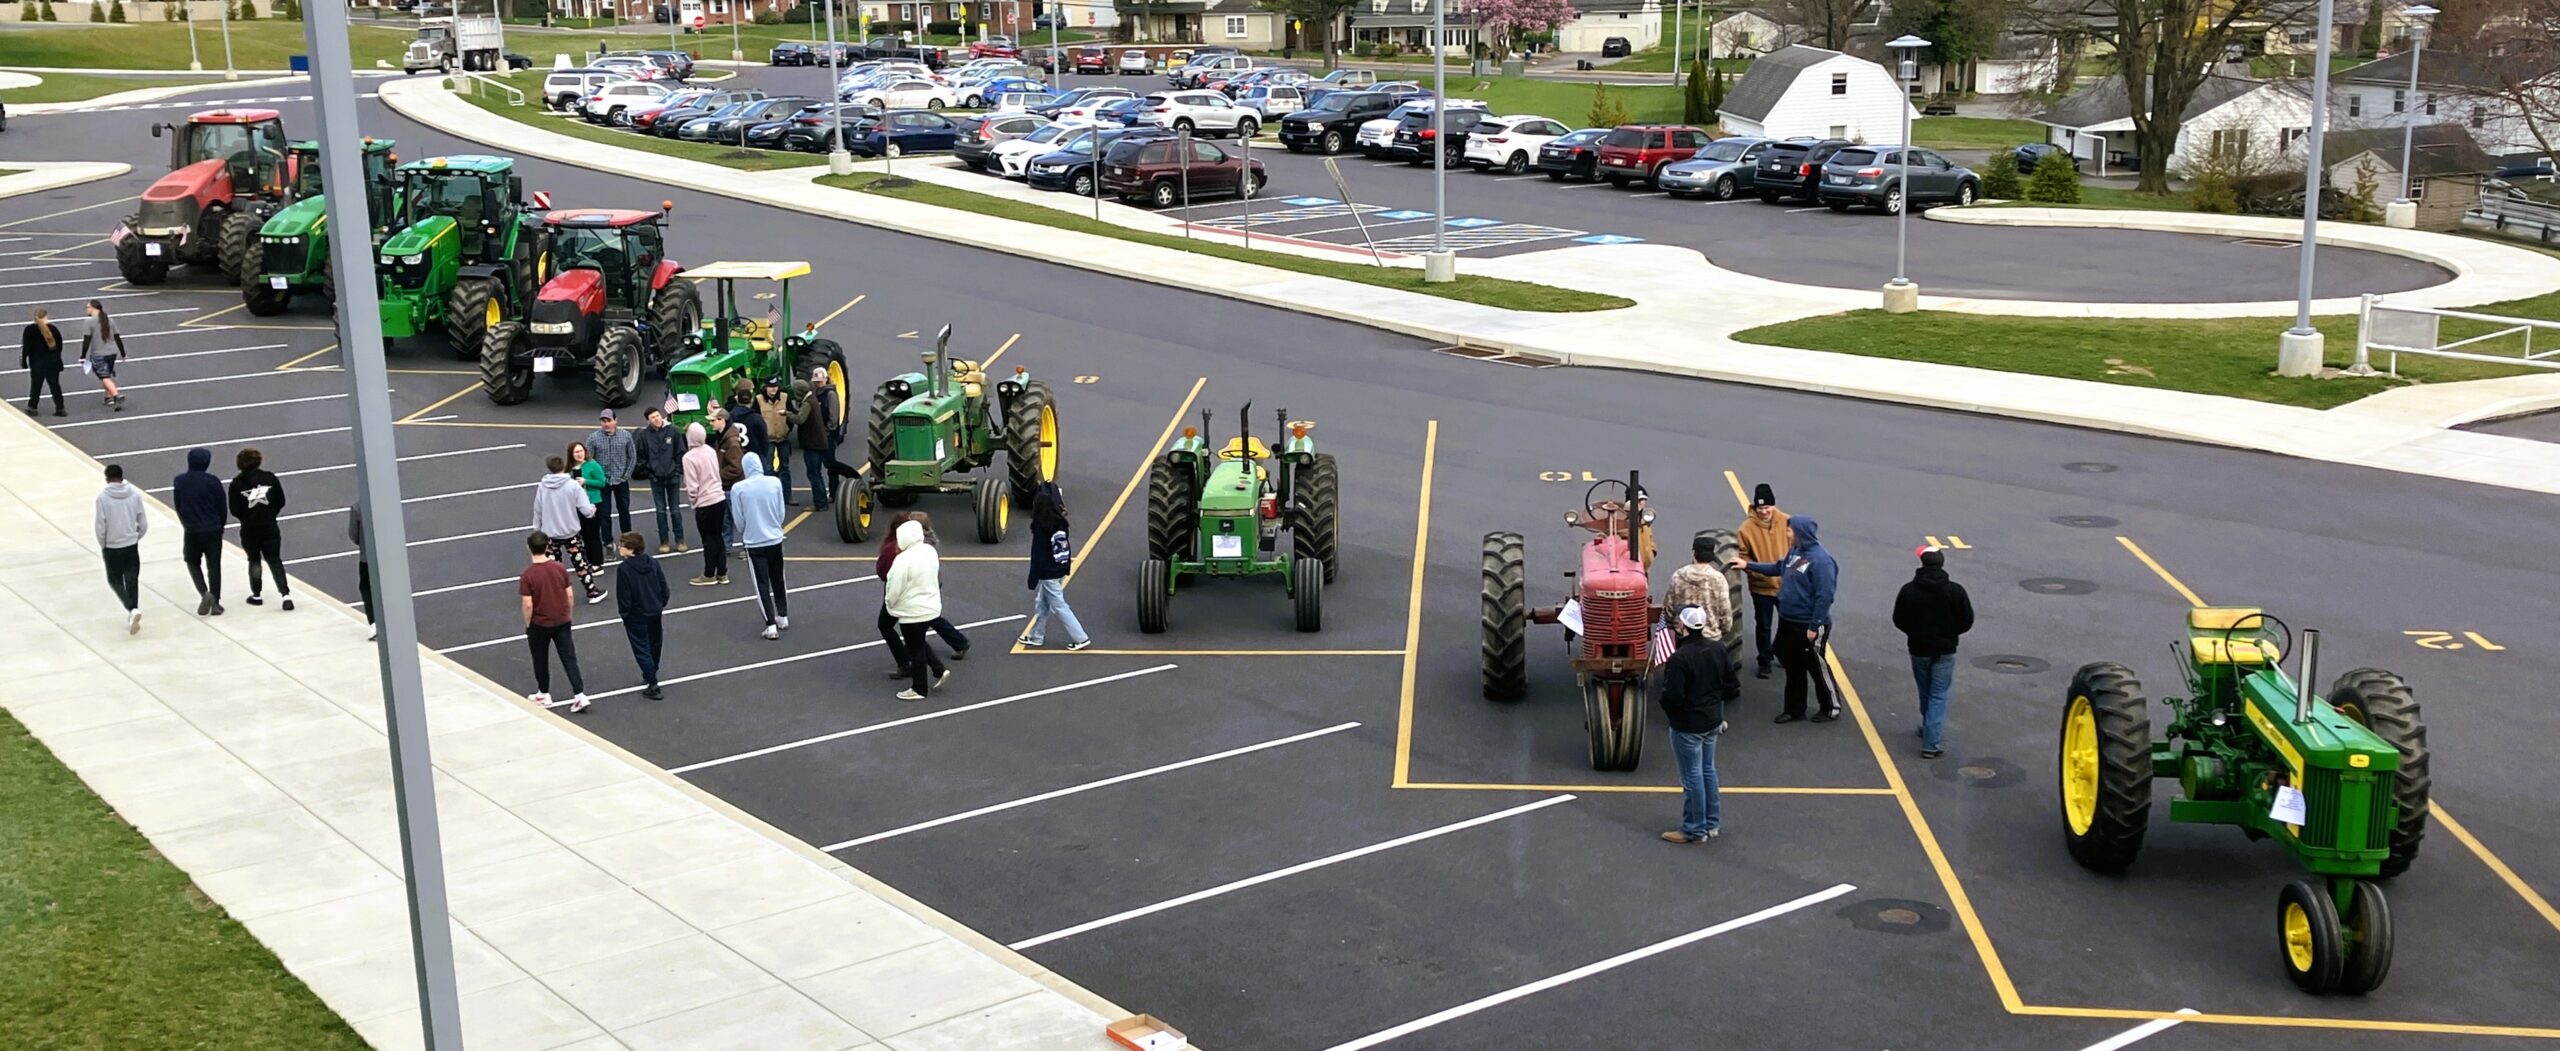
[
  {"x": 595, "y": 595},
  {"x": 540, "y": 700},
  {"x": 1787, "y": 717},
  {"x": 58, "y": 414},
  {"x": 652, "y": 692},
  {"x": 1764, "y": 671},
  {"x": 372, "y": 632},
  {"x": 1677, "y": 836},
  {"x": 133, "y": 622},
  {"x": 1079, "y": 645},
  {"x": 578, "y": 703},
  {"x": 1826, "y": 715},
  {"x": 910, "y": 695},
  {"x": 257, "y": 600},
  {"x": 1932, "y": 753},
  {"x": 960, "y": 654},
  {"x": 938, "y": 680},
  {"x": 116, "y": 403},
  {"x": 703, "y": 582},
  {"x": 288, "y": 604},
  {"x": 724, "y": 580},
  {"x": 1027, "y": 641},
  {"x": 771, "y": 633},
  {"x": 204, "y": 606},
  {"x": 782, "y": 622},
  {"x": 903, "y": 672},
  {"x": 217, "y": 609}
]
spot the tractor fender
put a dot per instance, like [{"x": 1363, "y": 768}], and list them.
[
  {"x": 497, "y": 275},
  {"x": 667, "y": 271},
  {"x": 204, "y": 183}
]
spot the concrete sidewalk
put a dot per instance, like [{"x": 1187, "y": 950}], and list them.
[{"x": 596, "y": 901}]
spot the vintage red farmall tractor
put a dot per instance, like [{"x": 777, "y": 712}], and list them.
[
  {"x": 227, "y": 176},
  {"x": 1608, "y": 619}
]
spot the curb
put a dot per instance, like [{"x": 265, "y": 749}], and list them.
[
  {"x": 151, "y": 94},
  {"x": 40, "y": 176}
]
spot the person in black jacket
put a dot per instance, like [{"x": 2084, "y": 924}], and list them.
[
  {"x": 1696, "y": 683},
  {"x": 202, "y": 512},
  {"x": 40, "y": 353},
  {"x": 1931, "y": 612},
  {"x": 640, "y": 591},
  {"x": 658, "y": 448},
  {"x": 257, "y": 497},
  {"x": 1051, "y": 558},
  {"x": 364, "y": 568}
]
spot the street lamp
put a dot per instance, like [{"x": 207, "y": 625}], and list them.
[
  {"x": 2300, "y": 349},
  {"x": 839, "y": 162},
  {"x": 1439, "y": 266},
  {"x": 230, "y": 70},
  {"x": 1900, "y": 295},
  {"x": 2403, "y": 213}
]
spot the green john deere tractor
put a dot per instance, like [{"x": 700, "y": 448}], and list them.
[
  {"x": 462, "y": 251},
  {"x": 731, "y": 345},
  {"x": 2340, "y": 782},
  {"x": 928, "y": 429},
  {"x": 293, "y": 246},
  {"x": 1220, "y": 515}
]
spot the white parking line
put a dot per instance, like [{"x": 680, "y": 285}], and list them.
[
  {"x": 132, "y": 361},
  {"x": 1582, "y": 185},
  {"x": 77, "y": 298},
  {"x": 64, "y": 281},
  {"x": 1304, "y": 866},
  {"x": 914, "y": 719},
  {"x": 262, "y": 373},
  {"x": 405, "y": 459},
  {"x": 772, "y": 663},
  {"x": 1815, "y": 208},
  {"x": 39, "y": 266},
  {"x": 1088, "y": 786},
  {"x": 1517, "y": 178},
  {"x": 223, "y": 442},
  {"x": 1734, "y": 200},
  {"x": 1589, "y": 969},
  {"x": 584, "y": 625},
  {"x": 1657, "y": 193},
  {"x": 194, "y": 412},
  {"x": 518, "y": 530},
  {"x": 326, "y": 511},
  {"x": 2142, "y": 1032}
]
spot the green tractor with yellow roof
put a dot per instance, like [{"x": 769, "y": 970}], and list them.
[
  {"x": 1217, "y": 513},
  {"x": 2340, "y": 782},
  {"x": 733, "y": 344},
  {"x": 462, "y": 251}
]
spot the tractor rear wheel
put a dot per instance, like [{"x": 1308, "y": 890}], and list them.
[
  {"x": 1030, "y": 441},
  {"x": 994, "y": 500},
  {"x": 853, "y": 509},
  {"x": 1613, "y": 718},
  {"x": 238, "y": 250},
  {"x": 1155, "y": 593},
  {"x": 2106, "y": 767},
  {"x": 820, "y": 355},
  {"x": 1173, "y": 510},
  {"x": 1316, "y": 530},
  {"x": 135, "y": 265},
  {"x": 620, "y": 366},
  {"x": 263, "y": 298},
  {"x": 505, "y": 375},
  {"x": 2381, "y": 702},
  {"x": 2311, "y": 946},
  {"x": 1502, "y": 608},
  {"x": 1306, "y": 586},
  {"x": 469, "y": 310},
  {"x": 673, "y": 316},
  {"x": 1728, "y": 547},
  {"x": 880, "y": 442},
  {"x": 2367, "y": 927}
]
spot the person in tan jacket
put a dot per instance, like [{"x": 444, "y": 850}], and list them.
[
  {"x": 1765, "y": 538},
  {"x": 1702, "y": 583}
]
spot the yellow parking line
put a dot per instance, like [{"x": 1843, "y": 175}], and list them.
[
  {"x": 288, "y": 366},
  {"x": 1093, "y": 540},
  {"x": 788, "y": 526},
  {"x": 849, "y": 304},
  {"x": 441, "y": 403},
  {"x": 1413, "y": 608},
  {"x": 2147, "y": 560},
  {"x": 991, "y": 358},
  {"x": 2294, "y": 1022}
]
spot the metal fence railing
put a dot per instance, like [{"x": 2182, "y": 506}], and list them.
[
  {"x": 480, "y": 85},
  {"x": 2395, "y": 329}
]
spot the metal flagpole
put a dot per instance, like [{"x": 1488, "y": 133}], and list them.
[
  {"x": 2299, "y": 349},
  {"x": 386, "y": 535},
  {"x": 195, "y": 62},
  {"x": 1677, "y": 59},
  {"x": 230, "y": 69},
  {"x": 1439, "y": 266},
  {"x": 2417, "y": 17},
  {"x": 839, "y": 162}
]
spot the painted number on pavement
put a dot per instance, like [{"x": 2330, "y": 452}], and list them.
[
  {"x": 2446, "y": 640},
  {"x": 1088, "y": 379},
  {"x": 1950, "y": 541}
]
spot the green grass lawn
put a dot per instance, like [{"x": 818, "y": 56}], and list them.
[
  {"x": 1974, "y": 133},
  {"x": 532, "y": 113},
  {"x": 262, "y": 44},
  {"x": 2110, "y": 197},
  {"x": 1513, "y": 295},
  {"x": 7, "y": 172},
  {"x": 74, "y": 87},
  {"x": 104, "y": 944}
]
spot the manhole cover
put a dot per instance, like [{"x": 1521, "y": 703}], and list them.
[
  {"x": 2089, "y": 467},
  {"x": 2010, "y": 663},
  {"x": 1895, "y": 916},
  {"x": 2266, "y": 242},
  {"x": 2085, "y": 521},
  {"x": 2057, "y": 586},
  {"x": 1989, "y": 772}
]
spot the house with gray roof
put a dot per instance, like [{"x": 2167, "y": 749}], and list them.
[
  {"x": 2250, "y": 123},
  {"x": 1810, "y": 91}
]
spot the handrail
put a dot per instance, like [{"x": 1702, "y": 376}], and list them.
[{"x": 515, "y": 97}]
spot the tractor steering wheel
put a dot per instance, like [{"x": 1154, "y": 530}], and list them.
[
  {"x": 1598, "y": 509},
  {"x": 2257, "y": 625}
]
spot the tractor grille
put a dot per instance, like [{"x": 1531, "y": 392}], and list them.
[
  {"x": 2378, "y": 815},
  {"x": 167, "y": 215},
  {"x": 1615, "y": 622},
  {"x": 282, "y": 255},
  {"x": 2320, "y": 796}
]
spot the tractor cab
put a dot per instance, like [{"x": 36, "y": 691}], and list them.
[
  {"x": 604, "y": 261},
  {"x": 458, "y": 251},
  {"x": 481, "y": 195},
  {"x": 226, "y": 174},
  {"x": 302, "y": 174},
  {"x": 249, "y": 143},
  {"x": 292, "y": 254},
  {"x": 747, "y": 338}
]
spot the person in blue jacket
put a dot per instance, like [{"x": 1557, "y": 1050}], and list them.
[
  {"x": 1807, "y": 580},
  {"x": 756, "y": 504},
  {"x": 203, "y": 509}
]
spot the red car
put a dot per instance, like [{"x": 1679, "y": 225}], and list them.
[
  {"x": 1640, "y": 151},
  {"x": 995, "y": 47},
  {"x": 1093, "y": 60},
  {"x": 1153, "y": 169}
]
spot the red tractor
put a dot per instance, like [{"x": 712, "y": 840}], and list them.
[
  {"x": 227, "y": 176},
  {"x": 610, "y": 303}
]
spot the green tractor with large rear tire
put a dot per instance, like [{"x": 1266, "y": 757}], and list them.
[
  {"x": 2340, "y": 782},
  {"x": 292, "y": 257},
  {"x": 1219, "y": 514},
  {"x": 462, "y": 253},
  {"x": 928, "y": 430}
]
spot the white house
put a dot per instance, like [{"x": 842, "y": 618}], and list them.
[
  {"x": 1799, "y": 90},
  {"x": 2251, "y": 122},
  {"x": 2020, "y": 63},
  {"x": 1749, "y": 32},
  {"x": 2480, "y": 93},
  {"x": 1641, "y": 22}
]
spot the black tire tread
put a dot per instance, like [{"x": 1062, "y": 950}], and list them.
[
  {"x": 500, "y": 379},
  {"x": 1173, "y": 502},
  {"x": 1022, "y": 441},
  {"x": 2390, "y": 710},
  {"x": 1503, "y": 616},
  {"x": 466, "y": 315},
  {"x": 618, "y": 345},
  {"x": 2123, "y": 813},
  {"x": 1315, "y": 518},
  {"x": 669, "y": 315}
]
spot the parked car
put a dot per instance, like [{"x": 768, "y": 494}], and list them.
[
  {"x": 901, "y": 132},
  {"x": 995, "y": 47},
  {"x": 1377, "y": 138},
  {"x": 1725, "y": 167},
  {"x": 638, "y": 66},
  {"x": 1511, "y": 143},
  {"x": 904, "y": 94},
  {"x": 1871, "y": 177},
  {"x": 1060, "y": 103},
  {"x": 1070, "y": 166},
  {"x": 1091, "y": 60},
  {"x": 1638, "y": 151},
  {"x": 1011, "y": 157},
  {"x": 611, "y": 103},
  {"x": 1575, "y": 155},
  {"x": 731, "y": 124},
  {"x": 517, "y": 61},
  {"x": 1200, "y": 112},
  {"x": 1134, "y": 60},
  {"x": 1045, "y": 20},
  {"x": 788, "y": 54},
  {"x": 1350, "y": 78},
  {"x": 1329, "y": 123},
  {"x": 1792, "y": 170},
  {"x": 643, "y": 114},
  {"x": 985, "y": 94},
  {"x": 1616, "y": 47},
  {"x": 1204, "y": 68},
  {"x": 671, "y": 120},
  {"x": 1272, "y": 101},
  {"x": 1156, "y": 170},
  {"x": 773, "y": 134},
  {"x": 2030, "y": 154},
  {"x": 813, "y": 130},
  {"x": 566, "y": 88},
  {"x": 1415, "y": 136},
  {"x": 1120, "y": 113},
  {"x": 1404, "y": 89},
  {"x": 979, "y": 136},
  {"x": 677, "y": 64}
]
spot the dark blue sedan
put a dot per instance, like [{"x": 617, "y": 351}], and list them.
[
  {"x": 905, "y": 131},
  {"x": 1123, "y": 113}
]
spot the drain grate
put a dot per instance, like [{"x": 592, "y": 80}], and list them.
[
  {"x": 1499, "y": 357},
  {"x": 2266, "y": 242}
]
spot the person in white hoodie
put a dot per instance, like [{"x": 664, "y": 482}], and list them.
[
  {"x": 121, "y": 523},
  {"x": 560, "y": 511},
  {"x": 914, "y": 597}
]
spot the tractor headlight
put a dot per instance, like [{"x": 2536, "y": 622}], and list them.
[
  {"x": 1008, "y": 388},
  {"x": 551, "y": 328},
  {"x": 410, "y": 260},
  {"x": 390, "y": 260},
  {"x": 897, "y": 388}
]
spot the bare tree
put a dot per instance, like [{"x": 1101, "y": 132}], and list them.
[
  {"x": 2501, "y": 55},
  {"x": 2165, "y": 51},
  {"x": 1826, "y": 23}
]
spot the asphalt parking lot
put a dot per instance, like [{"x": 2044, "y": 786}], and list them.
[{"x": 1329, "y": 841}]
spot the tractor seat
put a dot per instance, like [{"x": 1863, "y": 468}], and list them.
[
  {"x": 2247, "y": 652},
  {"x": 759, "y": 335},
  {"x": 2221, "y": 618},
  {"x": 1238, "y": 449},
  {"x": 971, "y": 378}
]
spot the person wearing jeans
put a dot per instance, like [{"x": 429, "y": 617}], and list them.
[
  {"x": 1932, "y": 611},
  {"x": 656, "y": 451},
  {"x": 1051, "y": 558},
  {"x": 202, "y": 512},
  {"x": 120, "y": 523},
  {"x": 913, "y": 595},
  {"x": 701, "y": 472},
  {"x": 1696, "y": 683},
  {"x": 1764, "y": 537},
  {"x": 612, "y": 447},
  {"x": 821, "y": 416}
]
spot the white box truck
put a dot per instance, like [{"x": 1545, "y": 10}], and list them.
[{"x": 444, "y": 44}]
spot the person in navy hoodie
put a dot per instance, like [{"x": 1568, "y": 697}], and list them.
[
  {"x": 1807, "y": 580},
  {"x": 640, "y": 591},
  {"x": 203, "y": 509}
]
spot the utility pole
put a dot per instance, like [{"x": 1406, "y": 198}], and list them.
[
  {"x": 2300, "y": 349},
  {"x": 1440, "y": 266}
]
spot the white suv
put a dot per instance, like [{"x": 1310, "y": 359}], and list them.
[
  {"x": 1200, "y": 112},
  {"x": 1377, "y": 135},
  {"x": 568, "y": 88},
  {"x": 1511, "y": 143},
  {"x": 607, "y": 103}
]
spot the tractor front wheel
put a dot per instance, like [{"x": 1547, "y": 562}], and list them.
[
  {"x": 135, "y": 263},
  {"x": 620, "y": 366},
  {"x": 505, "y": 375},
  {"x": 2367, "y": 927},
  {"x": 469, "y": 311},
  {"x": 2381, "y": 702},
  {"x": 1613, "y": 718},
  {"x": 1030, "y": 441},
  {"x": 2313, "y": 947},
  {"x": 673, "y": 316},
  {"x": 853, "y": 509},
  {"x": 1306, "y": 586},
  {"x": 1502, "y": 608},
  {"x": 2106, "y": 767},
  {"x": 1155, "y": 594},
  {"x": 1315, "y": 528},
  {"x": 994, "y": 500},
  {"x": 1173, "y": 510},
  {"x": 262, "y": 297},
  {"x": 239, "y": 247}
]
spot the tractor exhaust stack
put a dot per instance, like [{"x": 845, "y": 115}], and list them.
[{"x": 2309, "y": 673}]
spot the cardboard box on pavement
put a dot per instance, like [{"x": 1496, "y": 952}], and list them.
[{"x": 1146, "y": 1033}]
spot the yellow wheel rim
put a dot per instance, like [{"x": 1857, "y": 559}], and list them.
[
  {"x": 2080, "y": 766},
  {"x": 835, "y": 377},
  {"x": 494, "y": 315},
  {"x": 862, "y": 508},
  {"x": 2352, "y": 711},
  {"x": 1048, "y": 442},
  {"x": 1004, "y": 511},
  {"x": 2297, "y": 937}
]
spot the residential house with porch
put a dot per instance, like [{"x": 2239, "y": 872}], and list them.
[
  {"x": 2445, "y": 166},
  {"x": 2498, "y": 98},
  {"x": 1235, "y": 23}
]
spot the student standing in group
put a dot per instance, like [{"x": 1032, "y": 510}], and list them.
[
  {"x": 1808, "y": 579},
  {"x": 1696, "y": 683},
  {"x": 744, "y": 415},
  {"x": 202, "y": 512},
  {"x": 702, "y": 489},
  {"x": 94, "y": 347},
  {"x": 941, "y": 625},
  {"x": 560, "y": 512},
  {"x": 364, "y": 568},
  {"x": 732, "y": 437},
  {"x": 640, "y": 591},
  {"x": 656, "y": 451},
  {"x": 1702, "y": 583},
  {"x": 612, "y": 447},
  {"x": 120, "y": 523},
  {"x": 821, "y": 414},
  {"x": 257, "y": 497},
  {"x": 1932, "y": 612},
  {"x": 1051, "y": 558},
  {"x": 914, "y": 597},
  {"x": 40, "y": 353},
  {"x": 776, "y": 407},
  {"x": 591, "y": 479},
  {"x": 1764, "y": 537},
  {"x": 548, "y": 601},
  {"x": 756, "y": 503}
]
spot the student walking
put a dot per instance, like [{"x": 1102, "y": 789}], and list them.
[
  {"x": 640, "y": 591},
  {"x": 914, "y": 597},
  {"x": 757, "y": 505},
  {"x": 702, "y": 489},
  {"x": 560, "y": 512},
  {"x": 941, "y": 625},
  {"x": 656, "y": 452},
  {"x": 613, "y": 449},
  {"x": 1696, "y": 683},
  {"x": 548, "y": 601},
  {"x": 1932, "y": 611},
  {"x": 1808, "y": 579},
  {"x": 591, "y": 479},
  {"x": 94, "y": 345},
  {"x": 40, "y": 353},
  {"x": 821, "y": 416},
  {"x": 202, "y": 512},
  {"x": 257, "y": 497},
  {"x": 364, "y": 570},
  {"x": 120, "y": 524},
  {"x": 1051, "y": 558},
  {"x": 1764, "y": 537}
]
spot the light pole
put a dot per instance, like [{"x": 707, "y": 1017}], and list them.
[
  {"x": 737, "y": 51},
  {"x": 2300, "y": 349},
  {"x": 1900, "y": 295},
  {"x": 839, "y": 162},
  {"x": 1439, "y": 266},
  {"x": 1677, "y": 9},
  {"x": 230, "y": 71},
  {"x": 2403, "y": 213},
  {"x": 195, "y": 62}
]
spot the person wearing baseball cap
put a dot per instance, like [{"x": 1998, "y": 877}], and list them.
[
  {"x": 1932, "y": 611},
  {"x": 1696, "y": 683},
  {"x": 1764, "y": 537},
  {"x": 613, "y": 447},
  {"x": 821, "y": 416}
]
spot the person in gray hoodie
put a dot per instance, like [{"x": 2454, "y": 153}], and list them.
[
  {"x": 120, "y": 524},
  {"x": 203, "y": 508},
  {"x": 560, "y": 511}
]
